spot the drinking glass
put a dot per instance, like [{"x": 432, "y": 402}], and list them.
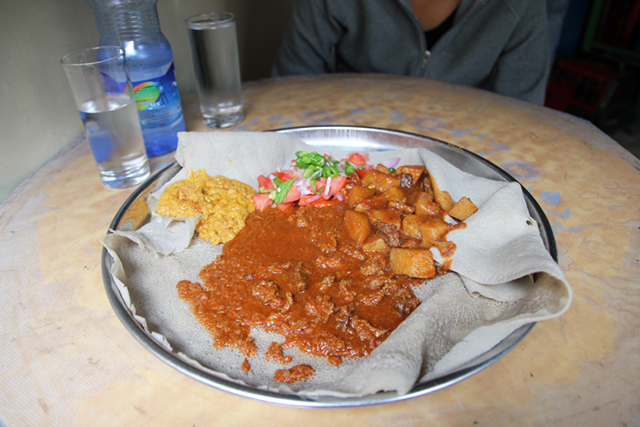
[
  {"x": 101, "y": 87},
  {"x": 214, "y": 50}
]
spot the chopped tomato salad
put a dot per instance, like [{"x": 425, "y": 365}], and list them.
[{"x": 314, "y": 179}]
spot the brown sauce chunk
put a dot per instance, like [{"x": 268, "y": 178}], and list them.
[{"x": 294, "y": 374}]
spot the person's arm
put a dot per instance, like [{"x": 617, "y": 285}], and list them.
[
  {"x": 522, "y": 69},
  {"x": 308, "y": 42}
]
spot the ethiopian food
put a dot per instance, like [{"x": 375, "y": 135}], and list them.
[
  {"x": 353, "y": 272},
  {"x": 331, "y": 268}
]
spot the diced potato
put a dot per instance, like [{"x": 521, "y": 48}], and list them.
[
  {"x": 395, "y": 194},
  {"x": 426, "y": 206},
  {"x": 414, "y": 198},
  {"x": 401, "y": 206},
  {"x": 412, "y": 243},
  {"x": 387, "y": 216},
  {"x": 463, "y": 209},
  {"x": 358, "y": 194},
  {"x": 411, "y": 225},
  {"x": 415, "y": 171},
  {"x": 375, "y": 202},
  {"x": 382, "y": 168},
  {"x": 444, "y": 200},
  {"x": 432, "y": 230},
  {"x": 416, "y": 263},
  {"x": 375, "y": 243},
  {"x": 379, "y": 180},
  {"x": 357, "y": 225}
]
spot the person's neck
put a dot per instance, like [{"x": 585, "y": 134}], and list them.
[{"x": 431, "y": 13}]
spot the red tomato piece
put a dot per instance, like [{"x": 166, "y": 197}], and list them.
[
  {"x": 337, "y": 184},
  {"x": 309, "y": 199},
  {"x": 321, "y": 183},
  {"x": 262, "y": 200},
  {"x": 363, "y": 172},
  {"x": 265, "y": 182},
  {"x": 292, "y": 195},
  {"x": 357, "y": 159},
  {"x": 284, "y": 206},
  {"x": 322, "y": 203},
  {"x": 284, "y": 176}
]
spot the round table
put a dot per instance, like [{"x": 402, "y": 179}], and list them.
[{"x": 67, "y": 360}]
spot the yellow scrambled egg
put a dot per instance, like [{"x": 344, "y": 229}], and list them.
[{"x": 221, "y": 203}]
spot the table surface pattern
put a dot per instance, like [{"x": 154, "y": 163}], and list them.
[{"x": 67, "y": 360}]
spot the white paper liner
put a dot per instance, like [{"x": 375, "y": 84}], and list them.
[{"x": 504, "y": 278}]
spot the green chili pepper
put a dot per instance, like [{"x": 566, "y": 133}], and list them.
[
  {"x": 282, "y": 189},
  {"x": 316, "y": 165},
  {"x": 348, "y": 168},
  {"x": 304, "y": 159},
  {"x": 317, "y": 159},
  {"x": 308, "y": 173}
]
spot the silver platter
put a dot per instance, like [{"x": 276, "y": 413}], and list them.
[{"x": 327, "y": 137}]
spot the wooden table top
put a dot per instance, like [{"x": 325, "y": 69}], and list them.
[{"x": 67, "y": 360}]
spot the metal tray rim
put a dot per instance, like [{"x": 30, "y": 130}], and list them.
[{"x": 292, "y": 400}]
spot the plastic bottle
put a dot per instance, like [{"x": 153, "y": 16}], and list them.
[{"x": 134, "y": 25}]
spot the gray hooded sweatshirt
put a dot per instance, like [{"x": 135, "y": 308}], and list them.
[{"x": 497, "y": 45}]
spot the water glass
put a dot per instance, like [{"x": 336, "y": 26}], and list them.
[
  {"x": 214, "y": 50},
  {"x": 101, "y": 87}
]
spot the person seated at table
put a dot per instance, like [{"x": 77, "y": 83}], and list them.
[{"x": 497, "y": 45}]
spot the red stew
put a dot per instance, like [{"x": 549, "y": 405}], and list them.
[{"x": 321, "y": 277}]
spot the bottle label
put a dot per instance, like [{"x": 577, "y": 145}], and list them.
[{"x": 157, "y": 93}]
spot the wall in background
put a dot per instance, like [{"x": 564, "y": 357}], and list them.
[{"x": 37, "y": 114}]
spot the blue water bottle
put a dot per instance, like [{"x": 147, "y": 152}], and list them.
[{"x": 134, "y": 25}]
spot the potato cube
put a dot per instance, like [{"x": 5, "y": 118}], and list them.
[
  {"x": 358, "y": 194},
  {"x": 379, "y": 180},
  {"x": 411, "y": 225},
  {"x": 444, "y": 200},
  {"x": 357, "y": 225},
  {"x": 387, "y": 216},
  {"x": 375, "y": 202},
  {"x": 375, "y": 243},
  {"x": 414, "y": 198},
  {"x": 415, "y": 172},
  {"x": 463, "y": 209},
  {"x": 382, "y": 168},
  {"x": 426, "y": 206},
  {"x": 433, "y": 230},
  {"x": 395, "y": 194},
  {"x": 401, "y": 206},
  {"x": 416, "y": 263}
]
